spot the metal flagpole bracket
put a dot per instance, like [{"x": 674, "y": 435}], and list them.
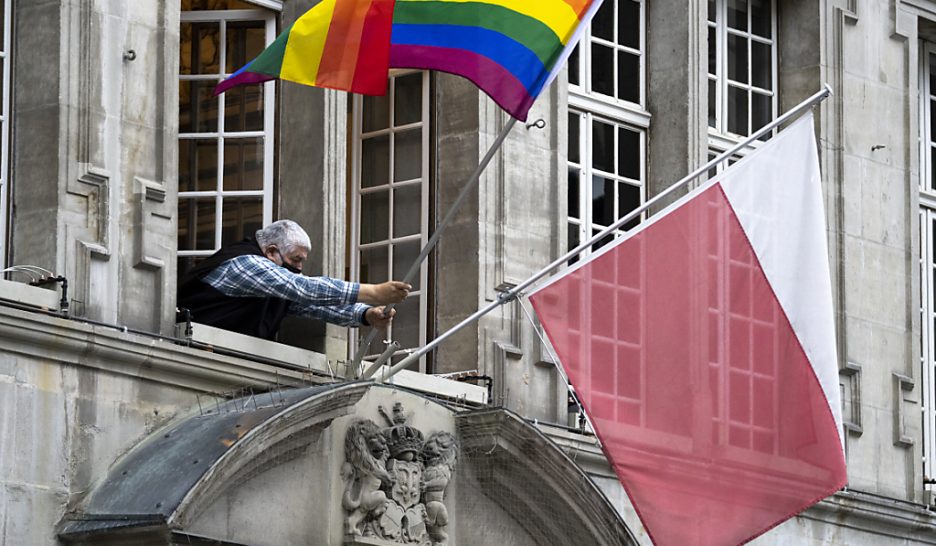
[{"x": 512, "y": 293}]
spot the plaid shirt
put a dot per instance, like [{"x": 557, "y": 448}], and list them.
[{"x": 322, "y": 298}]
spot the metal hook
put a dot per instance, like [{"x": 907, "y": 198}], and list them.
[
  {"x": 130, "y": 55},
  {"x": 539, "y": 124}
]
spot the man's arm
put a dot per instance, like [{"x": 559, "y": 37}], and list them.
[
  {"x": 357, "y": 314},
  {"x": 246, "y": 276},
  {"x": 251, "y": 275},
  {"x": 352, "y": 315}
]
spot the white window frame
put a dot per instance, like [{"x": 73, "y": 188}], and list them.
[
  {"x": 5, "y": 119},
  {"x": 927, "y": 215},
  {"x": 585, "y": 223},
  {"x": 267, "y": 134},
  {"x": 592, "y": 106},
  {"x": 719, "y": 135},
  {"x": 356, "y": 192},
  {"x": 582, "y": 94}
]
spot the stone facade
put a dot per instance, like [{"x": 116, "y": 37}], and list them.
[{"x": 95, "y": 183}]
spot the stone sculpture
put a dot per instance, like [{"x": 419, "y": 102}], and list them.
[
  {"x": 365, "y": 471},
  {"x": 398, "y": 496}
]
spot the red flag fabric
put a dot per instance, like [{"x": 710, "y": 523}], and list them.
[{"x": 702, "y": 347}]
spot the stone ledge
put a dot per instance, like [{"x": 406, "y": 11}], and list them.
[{"x": 42, "y": 336}]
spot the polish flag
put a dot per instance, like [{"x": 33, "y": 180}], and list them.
[{"x": 702, "y": 347}]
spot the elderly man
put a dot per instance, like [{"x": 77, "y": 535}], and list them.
[{"x": 250, "y": 287}]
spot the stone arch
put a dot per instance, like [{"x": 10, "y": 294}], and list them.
[{"x": 265, "y": 469}]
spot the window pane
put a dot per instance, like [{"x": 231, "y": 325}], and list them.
[
  {"x": 408, "y": 99},
  {"x": 761, "y": 113},
  {"x": 375, "y": 217},
  {"x": 198, "y": 165},
  {"x": 406, "y": 323},
  {"x": 932, "y": 120},
  {"x": 602, "y": 201},
  {"x": 375, "y": 161},
  {"x": 196, "y": 224},
  {"x": 602, "y": 69},
  {"x": 932, "y": 74},
  {"x": 407, "y": 155},
  {"x": 574, "y": 135},
  {"x": 374, "y": 265},
  {"x": 574, "y": 240},
  {"x": 245, "y": 40},
  {"x": 737, "y": 111},
  {"x": 205, "y": 48},
  {"x": 243, "y": 164},
  {"x": 574, "y": 174},
  {"x": 760, "y": 18},
  {"x": 711, "y": 10},
  {"x": 603, "y": 23},
  {"x": 185, "y": 48},
  {"x": 376, "y": 113},
  {"x": 737, "y": 59},
  {"x": 628, "y": 200},
  {"x": 737, "y": 14},
  {"x": 603, "y": 146},
  {"x": 243, "y": 109},
  {"x": 198, "y": 108},
  {"x": 407, "y": 204},
  {"x": 574, "y": 67},
  {"x": 628, "y": 76},
  {"x": 712, "y": 102},
  {"x": 404, "y": 255},
  {"x": 933, "y": 172},
  {"x": 629, "y": 23},
  {"x": 241, "y": 217},
  {"x": 629, "y": 153},
  {"x": 712, "y": 51},
  {"x": 761, "y": 66}
]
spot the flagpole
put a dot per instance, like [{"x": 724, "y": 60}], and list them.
[
  {"x": 514, "y": 292},
  {"x": 414, "y": 269}
]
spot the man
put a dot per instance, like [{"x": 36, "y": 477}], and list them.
[{"x": 250, "y": 287}]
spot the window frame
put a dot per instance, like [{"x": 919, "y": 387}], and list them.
[
  {"x": 593, "y": 106},
  {"x": 719, "y": 134},
  {"x": 356, "y": 192},
  {"x": 927, "y": 263},
  {"x": 5, "y": 125},
  {"x": 582, "y": 93},
  {"x": 268, "y": 134}
]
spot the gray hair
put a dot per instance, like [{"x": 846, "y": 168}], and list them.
[{"x": 285, "y": 235}]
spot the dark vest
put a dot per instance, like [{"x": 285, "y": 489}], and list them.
[{"x": 253, "y": 316}]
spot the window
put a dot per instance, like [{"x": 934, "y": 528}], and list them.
[
  {"x": 6, "y": 23},
  {"x": 390, "y": 197},
  {"x": 927, "y": 191},
  {"x": 225, "y": 142},
  {"x": 607, "y": 121},
  {"x": 742, "y": 65}
]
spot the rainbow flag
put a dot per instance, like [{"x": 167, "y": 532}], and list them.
[
  {"x": 511, "y": 49},
  {"x": 339, "y": 44}
]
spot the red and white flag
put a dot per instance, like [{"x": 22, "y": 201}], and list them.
[{"x": 702, "y": 346}]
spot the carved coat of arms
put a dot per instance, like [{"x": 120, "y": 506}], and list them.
[{"x": 396, "y": 480}]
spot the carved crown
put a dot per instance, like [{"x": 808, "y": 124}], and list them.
[{"x": 402, "y": 438}]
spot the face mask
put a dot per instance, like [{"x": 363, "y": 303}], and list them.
[{"x": 289, "y": 267}]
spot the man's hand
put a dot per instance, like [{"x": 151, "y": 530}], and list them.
[
  {"x": 383, "y": 293},
  {"x": 375, "y": 317}
]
